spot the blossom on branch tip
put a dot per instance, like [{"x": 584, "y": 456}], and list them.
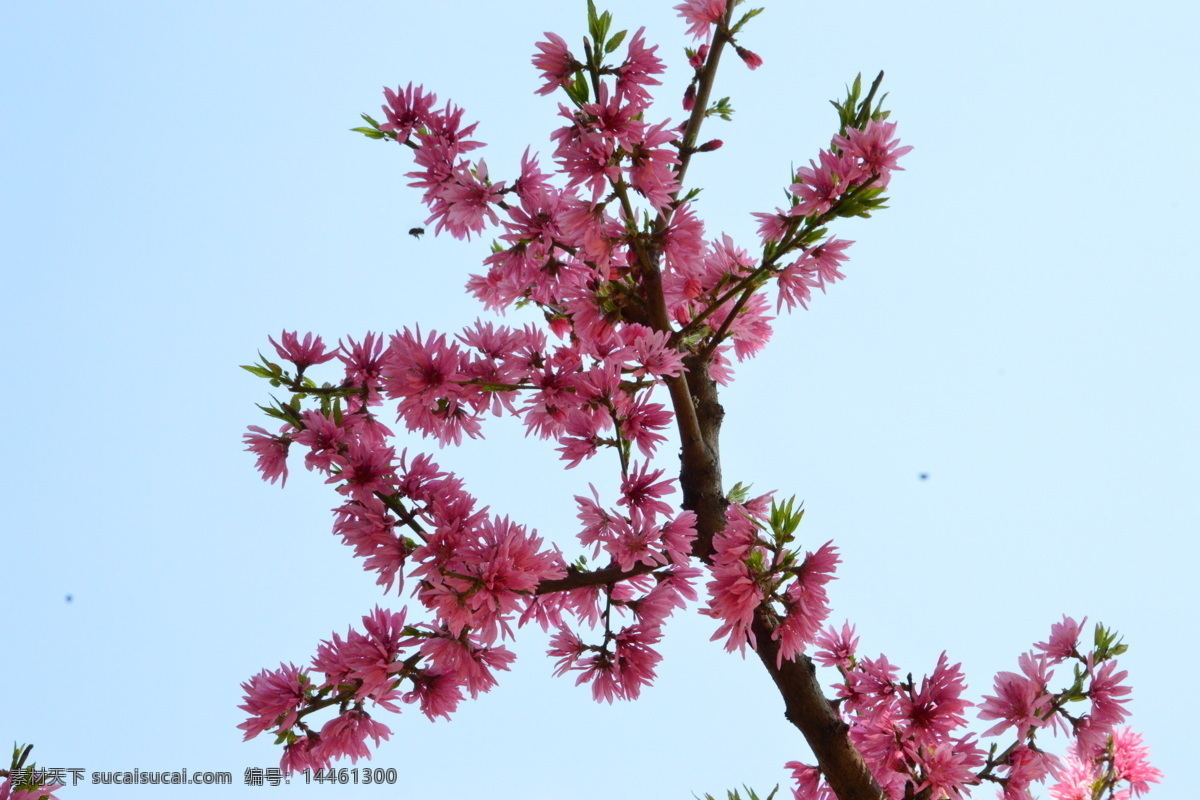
[
  {"x": 302, "y": 353},
  {"x": 272, "y": 698},
  {"x": 701, "y": 15},
  {"x": 555, "y": 62},
  {"x": 271, "y": 451},
  {"x": 876, "y": 148},
  {"x": 407, "y": 110}
]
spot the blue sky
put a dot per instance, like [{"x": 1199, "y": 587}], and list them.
[{"x": 179, "y": 183}]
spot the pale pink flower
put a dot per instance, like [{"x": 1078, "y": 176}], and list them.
[
  {"x": 820, "y": 186},
  {"x": 701, "y": 15},
  {"x": 949, "y": 768},
  {"x": 1131, "y": 761},
  {"x": 773, "y": 227},
  {"x": 1064, "y": 638},
  {"x": 809, "y": 785},
  {"x": 1107, "y": 693},
  {"x": 1020, "y": 700},
  {"x": 875, "y": 146},
  {"x": 826, "y": 258}
]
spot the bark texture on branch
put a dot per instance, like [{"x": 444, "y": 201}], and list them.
[{"x": 805, "y": 705}]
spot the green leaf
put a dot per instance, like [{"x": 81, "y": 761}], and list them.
[
  {"x": 370, "y": 133},
  {"x": 751, "y": 14},
  {"x": 593, "y": 20},
  {"x": 615, "y": 42},
  {"x": 739, "y": 493},
  {"x": 257, "y": 371},
  {"x": 370, "y": 121}
]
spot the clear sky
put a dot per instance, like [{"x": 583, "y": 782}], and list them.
[{"x": 178, "y": 182}]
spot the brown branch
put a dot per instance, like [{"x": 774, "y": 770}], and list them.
[
  {"x": 805, "y": 707},
  {"x": 577, "y": 579}
]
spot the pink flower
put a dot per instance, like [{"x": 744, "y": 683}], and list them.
[
  {"x": 1019, "y": 700},
  {"x": 807, "y": 603},
  {"x": 837, "y": 648},
  {"x": 347, "y": 734},
  {"x": 773, "y": 227},
  {"x": 1064, "y": 638},
  {"x": 555, "y": 62},
  {"x": 753, "y": 60},
  {"x": 271, "y": 451},
  {"x": 935, "y": 710},
  {"x": 641, "y": 490},
  {"x": 949, "y": 768},
  {"x": 438, "y": 695},
  {"x": 1131, "y": 761},
  {"x": 463, "y": 205},
  {"x": 796, "y": 282},
  {"x": 701, "y": 15},
  {"x": 819, "y": 187},
  {"x": 652, "y": 165},
  {"x": 407, "y": 110},
  {"x": 1107, "y": 694},
  {"x": 826, "y": 258},
  {"x": 302, "y": 353},
  {"x": 272, "y": 699},
  {"x": 876, "y": 148},
  {"x": 638, "y": 70},
  {"x": 734, "y": 592},
  {"x": 303, "y": 754}
]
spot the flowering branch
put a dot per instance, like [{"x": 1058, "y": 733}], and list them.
[{"x": 634, "y": 298}]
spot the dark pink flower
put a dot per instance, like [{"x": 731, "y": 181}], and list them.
[
  {"x": 753, "y": 60},
  {"x": 347, "y": 734},
  {"x": 302, "y": 353},
  {"x": 272, "y": 699},
  {"x": 407, "y": 110},
  {"x": 271, "y": 451},
  {"x": 554, "y": 60}
]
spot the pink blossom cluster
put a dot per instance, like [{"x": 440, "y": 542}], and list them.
[
  {"x": 913, "y": 737},
  {"x": 754, "y": 573}
]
